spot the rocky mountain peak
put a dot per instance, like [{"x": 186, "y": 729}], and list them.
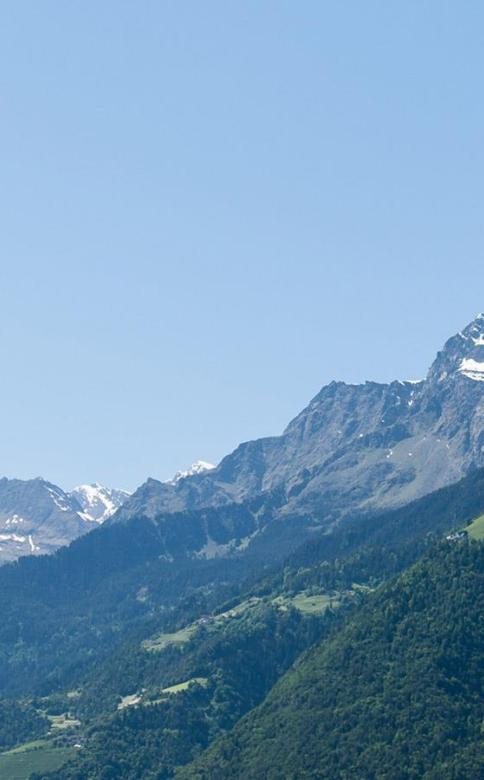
[{"x": 462, "y": 355}]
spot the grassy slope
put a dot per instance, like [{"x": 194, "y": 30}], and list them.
[
  {"x": 476, "y": 529},
  {"x": 41, "y": 756}
]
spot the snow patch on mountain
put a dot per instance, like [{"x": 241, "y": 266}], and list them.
[
  {"x": 14, "y": 520},
  {"x": 472, "y": 369},
  {"x": 59, "y": 498}
]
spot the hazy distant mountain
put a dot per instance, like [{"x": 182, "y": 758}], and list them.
[
  {"x": 354, "y": 447},
  {"x": 37, "y": 517},
  {"x": 98, "y": 502}
]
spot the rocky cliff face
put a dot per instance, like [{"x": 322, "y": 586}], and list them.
[{"x": 354, "y": 447}]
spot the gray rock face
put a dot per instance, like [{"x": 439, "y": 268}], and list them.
[
  {"x": 354, "y": 447},
  {"x": 36, "y": 517}
]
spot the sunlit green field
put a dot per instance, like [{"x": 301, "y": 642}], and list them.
[
  {"x": 40, "y": 756},
  {"x": 185, "y": 685},
  {"x": 139, "y": 699},
  {"x": 164, "y": 640},
  {"x": 476, "y": 529},
  {"x": 310, "y": 604}
]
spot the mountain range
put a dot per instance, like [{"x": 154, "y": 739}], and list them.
[
  {"x": 37, "y": 517},
  {"x": 353, "y": 449},
  {"x": 309, "y": 608}
]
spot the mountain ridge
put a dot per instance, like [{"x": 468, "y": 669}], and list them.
[{"x": 353, "y": 448}]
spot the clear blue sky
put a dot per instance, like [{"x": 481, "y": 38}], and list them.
[{"x": 210, "y": 209}]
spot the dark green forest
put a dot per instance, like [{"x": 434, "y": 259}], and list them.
[
  {"x": 20, "y": 722},
  {"x": 397, "y": 694},
  {"x": 61, "y": 613},
  {"x": 233, "y": 668}
]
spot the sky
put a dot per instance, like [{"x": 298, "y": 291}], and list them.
[{"x": 210, "y": 209}]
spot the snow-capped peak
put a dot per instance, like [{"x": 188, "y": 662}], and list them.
[
  {"x": 98, "y": 502},
  {"x": 462, "y": 355},
  {"x": 199, "y": 467},
  {"x": 472, "y": 361}
]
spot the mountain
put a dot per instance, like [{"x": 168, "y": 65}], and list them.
[
  {"x": 98, "y": 502},
  {"x": 398, "y": 692},
  {"x": 353, "y": 449},
  {"x": 37, "y": 517}
]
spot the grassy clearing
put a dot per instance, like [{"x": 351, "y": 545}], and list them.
[
  {"x": 37, "y": 743},
  {"x": 476, "y": 529},
  {"x": 184, "y": 685},
  {"x": 40, "y": 756},
  {"x": 307, "y": 603},
  {"x": 237, "y": 610},
  {"x": 164, "y": 640},
  {"x": 312, "y": 605},
  {"x": 61, "y": 722},
  {"x": 144, "y": 700}
]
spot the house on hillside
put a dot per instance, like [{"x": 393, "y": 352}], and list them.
[{"x": 456, "y": 536}]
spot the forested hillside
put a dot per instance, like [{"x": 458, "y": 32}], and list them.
[
  {"x": 397, "y": 693},
  {"x": 173, "y": 696},
  {"x": 20, "y": 722},
  {"x": 161, "y": 698},
  {"x": 149, "y": 661},
  {"x": 61, "y": 613}
]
